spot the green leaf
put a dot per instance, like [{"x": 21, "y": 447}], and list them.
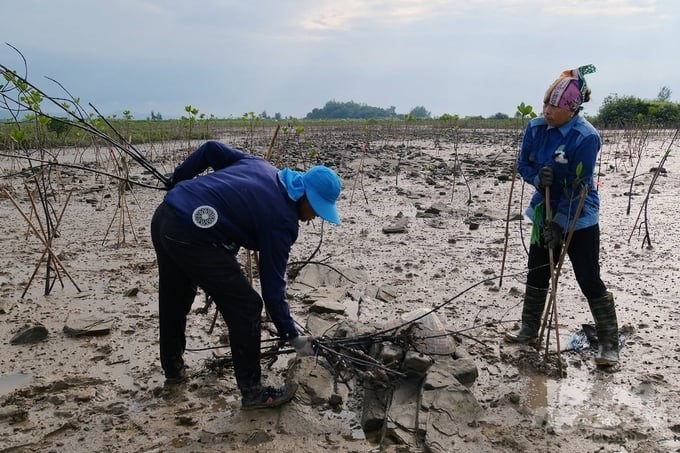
[
  {"x": 18, "y": 135},
  {"x": 526, "y": 110}
]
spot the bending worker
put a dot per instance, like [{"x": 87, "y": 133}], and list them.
[{"x": 197, "y": 231}]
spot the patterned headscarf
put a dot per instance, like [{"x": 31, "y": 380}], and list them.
[{"x": 570, "y": 89}]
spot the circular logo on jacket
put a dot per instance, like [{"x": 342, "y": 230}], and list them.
[{"x": 204, "y": 216}]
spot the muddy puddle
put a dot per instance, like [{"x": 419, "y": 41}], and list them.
[
  {"x": 11, "y": 382},
  {"x": 582, "y": 398}
]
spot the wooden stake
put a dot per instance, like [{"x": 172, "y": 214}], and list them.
[
  {"x": 268, "y": 156},
  {"x": 553, "y": 292},
  {"x": 42, "y": 239},
  {"x": 507, "y": 221},
  {"x": 42, "y": 257},
  {"x": 555, "y": 276}
]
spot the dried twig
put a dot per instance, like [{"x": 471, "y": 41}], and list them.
[{"x": 645, "y": 203}]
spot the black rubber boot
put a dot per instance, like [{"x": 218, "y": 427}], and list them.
[
  {"x": 532, "y": 310},
  {"x": 606, "y": 324}
]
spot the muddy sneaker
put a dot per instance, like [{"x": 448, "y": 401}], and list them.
[
  {"x": 268, "y": 397},
  {"x": 176, "y": 377}
]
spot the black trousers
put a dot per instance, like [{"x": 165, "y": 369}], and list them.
[
  {"x": 584, "y": 254},
  {"x": 185, "y": 264}
]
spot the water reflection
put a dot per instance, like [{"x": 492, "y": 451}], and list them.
[
  {"x": 570, "y": 402},
  {"x": 11, "y": 382},
  {"x": 592, "y": 399}
]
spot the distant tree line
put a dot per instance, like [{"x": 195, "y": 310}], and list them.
[
  {"x": 354, "y": 110},
  {"x": 350, "y": 110},
  {"x": 619, "y": 111},
  {"x": 615, "y": 111}
]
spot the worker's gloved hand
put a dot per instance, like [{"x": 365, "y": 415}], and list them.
[
  {"x": 552, "y": 235},
  {"x": 303, "y": 345},
  {"x": 545, "y": 177}
]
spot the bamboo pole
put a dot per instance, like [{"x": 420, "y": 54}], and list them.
[
  {"x": 553, "y": 291},
  {"x": 570, "y": 234},
  {"x": 42, "y": 239},
  {"x": 270, "y": 150},
  {"x": 42, "y": 257},
  {"x": 46, "y": 233},
  {"x": 507, "y": 221}
]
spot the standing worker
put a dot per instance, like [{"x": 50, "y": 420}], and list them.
[
  {"x": 559, "y": 152},
  {"x": 197, "y": 231}
]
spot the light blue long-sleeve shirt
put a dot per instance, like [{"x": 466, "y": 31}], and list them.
[{"x": 571, "y": 150}]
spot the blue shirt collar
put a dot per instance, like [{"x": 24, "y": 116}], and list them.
[{"x": 566, "y": 127}]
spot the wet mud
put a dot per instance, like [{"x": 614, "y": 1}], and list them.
[{"x": 424, "y": 215}]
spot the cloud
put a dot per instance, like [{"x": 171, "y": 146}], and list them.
[
  {"x": 601, "y": 8},
  {"x": 230, "y": 56},
  {"x": 349, "y": 14}
]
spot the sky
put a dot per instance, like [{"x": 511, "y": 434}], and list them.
[{"x": 230, "y": 57}]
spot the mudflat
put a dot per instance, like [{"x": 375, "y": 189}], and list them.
[{"x": 424, "y": 214}]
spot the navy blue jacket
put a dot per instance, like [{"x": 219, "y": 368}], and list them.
[{"x": 241, "y": 202}]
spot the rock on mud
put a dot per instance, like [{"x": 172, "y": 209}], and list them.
[{"x": 30, "y": 335}]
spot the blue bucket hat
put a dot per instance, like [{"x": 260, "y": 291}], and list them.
[{"x": 323, "y": 187}]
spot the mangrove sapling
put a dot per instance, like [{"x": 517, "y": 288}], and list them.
[
  {"x": 360, "y": 177},
  {"x": 190, "y": 120},
  {"x": 637, "y": 139},
  {"x": 388, "y": 131},
  {"x": 298, "y": 154},
  {"x": 446, "y": 123},
  {"x": 458, "y": 168},
  {"x": 408, "y": 119},
  {"x": 524, "y": 111},
  {"x": 87, "y": 169},
  {"x": 250, "y": 119},
  {"x": 285, "y": 145},
  {"x": 645, "y": 203},
  {"x": 637, "y": 143},
  {"x": 21, "y": 96},
  {"x": 456, "y": 163},
  {"x": 122, "y": 211}
]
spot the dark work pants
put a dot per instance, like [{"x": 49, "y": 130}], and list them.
[
  {"x": 584, "y": 254},
  {"x": 185, "y": 264}
]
